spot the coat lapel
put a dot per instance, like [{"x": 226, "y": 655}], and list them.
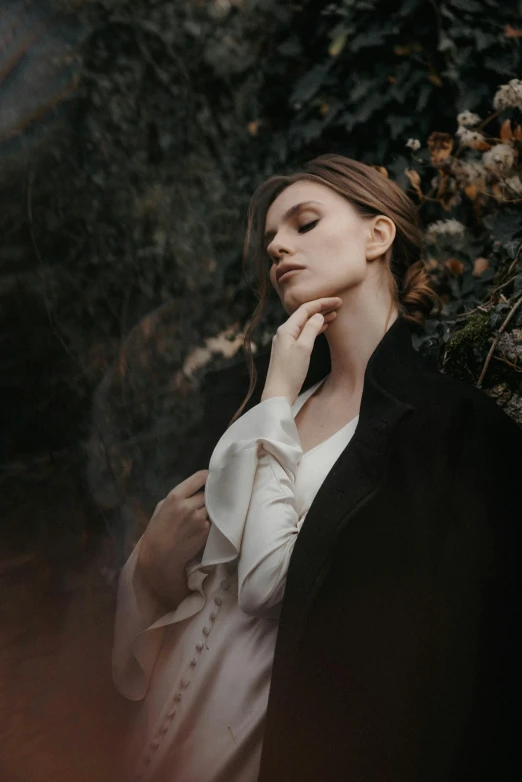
[{"x": 353, "y": 480}]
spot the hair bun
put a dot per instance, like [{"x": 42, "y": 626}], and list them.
[{"x": 417, "y": 298}]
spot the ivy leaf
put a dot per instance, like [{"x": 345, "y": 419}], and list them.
[
  {"x": 310, "y": 83},
  {"x": 290, "y": 48},
  {"x": 471, "y": 6},
  {"x": 504, "y": 227},
  {"x": 374, "y": 101},
  {"x": 511, "y": 248},
  {"x": 423, "y": 96},
  {"x": 338, "y": 42},
  {"x": 484, "y": 40},
  {"x": 398, "y": 124}
]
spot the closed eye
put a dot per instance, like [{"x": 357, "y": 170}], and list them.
[{"x": 307, "y": 227}]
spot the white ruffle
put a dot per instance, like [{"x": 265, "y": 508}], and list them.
[{"x": 268, "y": 428}]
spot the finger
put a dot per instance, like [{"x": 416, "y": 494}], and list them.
[
  {"x": 190, "y": 485},
  {"x": 200, "y": 526},
  {"x": 197, "y": 501},
  {"x": 203, "y": 531},
  {"x": 310, "y": 331},
  {"x": 201, "y": 514},
  {"x": 328, "y": 318},
  {"x": 302, "y": 315}
]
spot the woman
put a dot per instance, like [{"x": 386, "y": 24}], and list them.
[{"x": 343, "y": 600}]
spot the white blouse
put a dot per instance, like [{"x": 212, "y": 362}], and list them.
[{"x": 203, "y": 670}]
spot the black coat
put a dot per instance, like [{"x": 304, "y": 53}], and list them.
[{"x": 398, "y": 655}]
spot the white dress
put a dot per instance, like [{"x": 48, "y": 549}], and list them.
[{"x": 203, "y": 670}]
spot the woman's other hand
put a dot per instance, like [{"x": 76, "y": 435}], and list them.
[
  {"x": 292, "y": 347},
  {"x": 176, "y": 532}
]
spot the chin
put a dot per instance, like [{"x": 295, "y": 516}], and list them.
[{"x": 294, "y": 298}]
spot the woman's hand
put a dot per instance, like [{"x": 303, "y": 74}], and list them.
[
  {"x": 176, "y": 532},
  {"x": 292, "y": 347}
]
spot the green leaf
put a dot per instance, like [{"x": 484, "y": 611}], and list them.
[
  {"x": 290, "y": 48},
  {"x": 504, "y": 226},
  {"x": 310, "y": 83},
  {"x": 398, "y": 124},
  {"x": 471, "y": 6},
  {"x": 423, "y": 97}
]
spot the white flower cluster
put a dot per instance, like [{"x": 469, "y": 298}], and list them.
[
  {"x": 466, "y": 119},
  {"x": 414, "y": 144},
  {"x": 469, "y": 172},
  {"x": 508, "y": 95},
  {"x": 445, "y": 227},
  {"x": 470, "y": 138},
  {"x": 499, "y": 159}
]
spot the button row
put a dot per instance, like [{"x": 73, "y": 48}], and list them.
[{"x": 185, "y": 681}]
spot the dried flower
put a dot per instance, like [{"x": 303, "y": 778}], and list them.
[
  {"x": 500, "y": 158},
  {"x": 467, "y": 119},
  {"x": 472, "y": 138},
  {"x": 480, "y": 266},
  {"x": 220, "y": 8},
  {"x": 440, "y": 146},
  {"x": 515, "y": 184},
  {"x": 508, "y": 95},
  {"x": 454, "y": 267},
  {"x": 414, "y": 144},
  {"x": 468, "y": 173},
  {"x": 444, "y": 227}
]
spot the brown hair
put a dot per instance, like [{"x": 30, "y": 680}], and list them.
[{"x": 370, "y": 193}]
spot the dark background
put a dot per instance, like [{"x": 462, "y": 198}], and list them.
[{"x": 132, "y": 135}]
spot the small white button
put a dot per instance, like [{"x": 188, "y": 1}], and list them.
[
  {"x": 217, "y": 601},
  {"x": 155, "y": 744},
  {"x": 225, "y": 584},
  {"x": 193, "y": 662},
  {"x": 185, "y": 682},
  {"x": 177, "y": 697},
  {"x": 199, "y": 646},
  {"x": 171, "y": 714},
  {"x": 205, "y": 630},
  {"x": 212, "y": 616},
  {"x": 164, "y": 729}
]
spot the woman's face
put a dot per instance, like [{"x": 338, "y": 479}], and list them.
[{"x": 328, "y": 239}]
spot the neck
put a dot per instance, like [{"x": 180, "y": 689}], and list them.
[{"x": 362, "y": 321}]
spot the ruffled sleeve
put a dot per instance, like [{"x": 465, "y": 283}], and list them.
[
  {"x": 140, "y": 624},
  {"x": 250, "y": 500}
]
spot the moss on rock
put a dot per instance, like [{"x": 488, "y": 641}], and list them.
[{"x": 467, "y": 349}]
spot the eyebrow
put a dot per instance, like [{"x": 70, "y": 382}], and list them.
[{"x": 287, "y": 215}]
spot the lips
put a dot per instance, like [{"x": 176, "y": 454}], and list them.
[{"x": 281, "y": 274}]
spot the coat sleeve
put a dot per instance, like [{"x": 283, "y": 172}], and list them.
[
  {"x": 251, "y": 503},
  {"x": 477, "y": 719}
]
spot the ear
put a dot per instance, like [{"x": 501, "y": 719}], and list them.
[{"x": 381, "y": 235}]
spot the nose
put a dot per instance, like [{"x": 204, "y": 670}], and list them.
[{"x": 277, "y": 250}]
